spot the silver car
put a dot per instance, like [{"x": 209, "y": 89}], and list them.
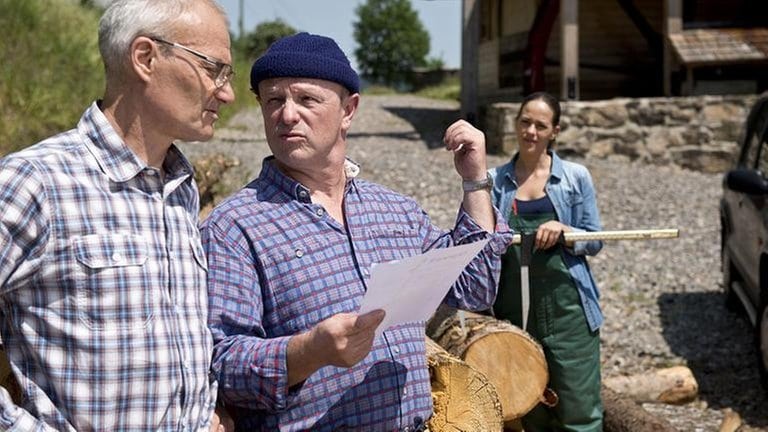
[{"x": 744, "y": 229}]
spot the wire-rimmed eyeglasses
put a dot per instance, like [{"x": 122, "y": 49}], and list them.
[{"x": 222, "y": 72}]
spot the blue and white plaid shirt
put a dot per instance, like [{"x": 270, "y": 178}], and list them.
[
  {"x": 103, "y": 304},
  {"x": 279, "y": 264}
]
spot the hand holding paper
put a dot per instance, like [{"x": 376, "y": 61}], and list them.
[{"x": 411, "y": 289}]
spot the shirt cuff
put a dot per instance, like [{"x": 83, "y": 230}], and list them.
[{"x": 468, "y": 231}]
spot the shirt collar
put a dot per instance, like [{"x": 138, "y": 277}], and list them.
[
  {"x": 114, "y": 157},
  {"x": 272, "y": 175},
  {"x": 556, "y": 171}
]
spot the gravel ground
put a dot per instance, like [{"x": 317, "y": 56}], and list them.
[{"x": 662, "y": 299}]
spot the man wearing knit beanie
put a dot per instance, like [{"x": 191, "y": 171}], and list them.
[{"x": 290, "y": 257}]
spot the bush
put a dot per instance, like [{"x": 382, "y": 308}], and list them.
[{"x": 265, "y": 34}]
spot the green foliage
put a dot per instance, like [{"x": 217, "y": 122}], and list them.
[
  {"x": 391, "y": 41},
  {"x": 51, "y": 69},
  {"x": 241, "y": 83},
  {"x": 378, "y": 89},
  {"x": 435, "y": 63},
  {"x": 450, "y": 89},
  {"x": 254, "y": 44}
]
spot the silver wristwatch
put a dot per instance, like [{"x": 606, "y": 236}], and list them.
[{"x": 473, "y": 185}]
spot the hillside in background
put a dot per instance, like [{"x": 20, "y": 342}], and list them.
[{"x": 51, "y": 69}]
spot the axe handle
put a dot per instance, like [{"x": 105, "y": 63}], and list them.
[{"x": 649, "y": 234}]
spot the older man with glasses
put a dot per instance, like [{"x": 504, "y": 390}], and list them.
[{"x": 103, "y": 304}]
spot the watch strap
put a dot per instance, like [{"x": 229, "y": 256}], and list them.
[{"x": 473, "y": 185}]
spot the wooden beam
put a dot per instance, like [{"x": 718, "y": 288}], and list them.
[
  {"x": 569, "y": 19},
  {"x": 470, "y": 43},
  {"x": 673, "y": 23}
]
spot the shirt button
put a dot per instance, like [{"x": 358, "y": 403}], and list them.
[
  {"x": 320, "y": 212},
  {"x": 117, "y": 257},
  {"x": 303, "y": 194},
  {"x": 396, "y": 349},
  {"x": 299, "y": 253}
]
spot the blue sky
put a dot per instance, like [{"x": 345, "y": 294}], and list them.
[{"x": 334, "y": 18}]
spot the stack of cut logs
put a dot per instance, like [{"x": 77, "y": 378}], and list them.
[{"x": 486, "y": 374}]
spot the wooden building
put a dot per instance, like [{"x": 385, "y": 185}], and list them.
[{"x": 599, "y": 49}]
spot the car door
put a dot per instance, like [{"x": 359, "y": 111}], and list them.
[{"x": 750, "y": 212}]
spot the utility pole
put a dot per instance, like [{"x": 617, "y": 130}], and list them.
[{"x": 240, "y": 20}]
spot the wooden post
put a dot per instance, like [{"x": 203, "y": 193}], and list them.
[
  {"x": 470, "y": 43},
  {"x": 569, "y": 66},
  {"x": 673, "y": 23}
]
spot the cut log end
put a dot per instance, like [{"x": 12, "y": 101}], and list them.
[
  {"x": 463, "y": 398},
  {"x": 511, "y": 359}
]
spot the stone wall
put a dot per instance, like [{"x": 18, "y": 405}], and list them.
[{"x": 697, "y": 132}]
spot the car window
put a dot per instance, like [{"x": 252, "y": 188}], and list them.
[{"x": 756, "y": 129}]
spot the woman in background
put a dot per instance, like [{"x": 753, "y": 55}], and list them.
[{"x": 538, "y": 191}]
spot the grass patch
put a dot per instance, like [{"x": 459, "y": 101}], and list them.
[
  {"x": 51, "y": 69},
  {"x": 379, "y": 90},
  {"x": 449, "y": 89}
]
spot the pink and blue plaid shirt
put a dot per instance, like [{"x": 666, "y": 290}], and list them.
[
  {"x": 103, "y": 304},
  {"x": 279, "y": 264}
]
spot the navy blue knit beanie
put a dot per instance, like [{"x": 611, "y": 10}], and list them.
[{"x": 305, "y": 55}]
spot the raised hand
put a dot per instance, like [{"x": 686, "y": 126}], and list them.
[{"x": 468, "y": 146}]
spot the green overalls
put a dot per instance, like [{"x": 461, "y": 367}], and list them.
[{"x": 556, "y": 319}]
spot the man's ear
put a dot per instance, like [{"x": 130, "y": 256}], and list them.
[
  {"x": 350, "y": 108},
  {"x": 143, "y": 54}
]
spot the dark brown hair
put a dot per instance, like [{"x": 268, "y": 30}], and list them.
[{"x": 548, "y": 99}]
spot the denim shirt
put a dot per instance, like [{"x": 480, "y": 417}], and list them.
[{"x": 570, "y": 188}]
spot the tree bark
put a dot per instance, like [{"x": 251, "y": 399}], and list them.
[
  {"x": 511, "y": 359},
  {"x": 625, "y": 415},
  {"x": 463, "y": 398}
]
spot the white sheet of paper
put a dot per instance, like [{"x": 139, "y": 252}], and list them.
[{"x": 411, "y": 289}]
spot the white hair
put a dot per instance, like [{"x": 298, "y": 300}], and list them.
[{"x": 124, "y": 20}]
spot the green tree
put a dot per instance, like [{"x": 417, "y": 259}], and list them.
[
  {"x": 391, "y": 41},
  {"x": 256, "y": 42}
]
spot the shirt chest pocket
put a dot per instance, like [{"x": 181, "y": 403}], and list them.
[
  {"x": 395, "y": 243},
  {"x": 305, "y": 280},
  {"x": 114, "y": 289}
]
